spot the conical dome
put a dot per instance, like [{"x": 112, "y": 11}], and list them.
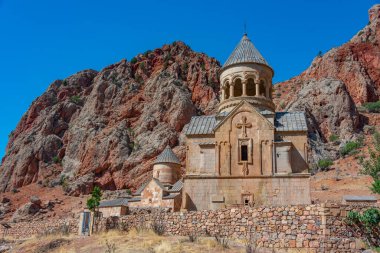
[
  {"x": 167, "y": 156},
  {"x": 245, "y": 52}
]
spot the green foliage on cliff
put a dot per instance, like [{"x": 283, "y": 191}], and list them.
[
  {"x": 333, "y": 138},
  {"x": 350, "y": 148},
  {"x": 75, "y": 99},
  {"x": 372, "y": 106},
  {"x": 324, "y": 164}
]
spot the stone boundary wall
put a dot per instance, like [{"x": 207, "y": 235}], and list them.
[
  {"x": 316, "y": 228},
  {"x": 24, "y": 230}
]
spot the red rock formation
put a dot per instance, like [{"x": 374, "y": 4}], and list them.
[
  {"x": 356, "y": 64},
  {"x": 106, "y": 128}
]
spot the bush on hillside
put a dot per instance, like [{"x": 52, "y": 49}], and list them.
[{"x": 372, "y": 106}]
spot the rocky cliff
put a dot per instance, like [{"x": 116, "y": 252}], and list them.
[
  {"x": 107, "y": 127},
  {"x": 335, "y": 84}
]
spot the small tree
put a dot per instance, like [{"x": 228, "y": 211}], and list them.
[{"x": 94, "y": 201}]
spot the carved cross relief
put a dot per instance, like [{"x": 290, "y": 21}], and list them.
[{"x": 244, "y": 125}]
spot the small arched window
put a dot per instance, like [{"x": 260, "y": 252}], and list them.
[
  {"x": 227, "y": 91},
  {"x": 251, "y": 87},
  {"x": 238, "y": 88}
]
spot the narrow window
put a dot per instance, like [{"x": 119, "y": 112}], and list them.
[
  {"x": 246, "y": 202},
  {"x": 244, "y": 152}
]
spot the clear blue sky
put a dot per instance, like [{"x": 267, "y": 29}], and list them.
[{"x": 41, "y": 41}]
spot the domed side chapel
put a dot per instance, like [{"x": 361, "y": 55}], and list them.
[{"x": 246, "y": 154}]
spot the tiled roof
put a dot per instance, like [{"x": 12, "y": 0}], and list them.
[
  {"x": 284, "y": 121},
  {"x": 177, "y": 186},
  {"x": 245, "y": 51},
  {"x": 290, "y": 121},
  {"x": 171, "y": 196},
  {"x": 113, "y": 202},
  {"x": 201, "y": 125},
  {"x": 167, "y": 156}
]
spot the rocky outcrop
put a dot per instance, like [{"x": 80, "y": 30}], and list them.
[
  {"x": 337, "y": 82},
  {"x": 106, "y": 127}
]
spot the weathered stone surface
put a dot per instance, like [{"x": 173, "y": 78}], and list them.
[
  {"x": 344, "y": 77},
  {"x": 35, "y": 200},
  {"x": 25, "y": 212},
  {"x": 111, "y": 124}
]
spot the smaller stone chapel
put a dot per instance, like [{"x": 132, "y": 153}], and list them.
[{"x": 247, "y": 153}]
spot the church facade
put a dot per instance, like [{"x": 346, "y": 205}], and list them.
[{"x": 246, "y": 154}]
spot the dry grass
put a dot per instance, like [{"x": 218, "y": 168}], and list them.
[{"x": 132, "y": 241}]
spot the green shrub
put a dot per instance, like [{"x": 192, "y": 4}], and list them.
[
  {"x": 133, "y": 60},
  {"x": 63, "y": 181},
  {"x": 349, "y": 148},
  {"x": 365, "y": 225},
  {"x": 333, "y": 138},
  {"x": 375, "y": 188},
  {"x": 320, "y": 54},
  {"x": 325, "y": 163},
  {"x": 372, "y": 106},
  {"x": 76, "y": 99},
  {"x": 56, "y": 159},
  {"x": 370, "y": 217}
]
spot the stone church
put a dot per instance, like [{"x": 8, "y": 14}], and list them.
[{"x": 247, "y": 153}]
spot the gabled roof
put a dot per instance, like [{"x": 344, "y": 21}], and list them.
[
  {"x": 245, "y": 52},
  {"x": 201, "y": 125},
  {"x": 237, "y": 108},
  {"x": 113, "y": 202},
  {"x": 167, "y": 156},
  {"x": 141, "y": 188},
  {"x": 144, "y": 185},
  {"x": 290, "y": 121}
]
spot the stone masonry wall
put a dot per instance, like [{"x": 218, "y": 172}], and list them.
[
  {"x": 23, "y": 230},
  {"x": 316, "y": 228}
]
